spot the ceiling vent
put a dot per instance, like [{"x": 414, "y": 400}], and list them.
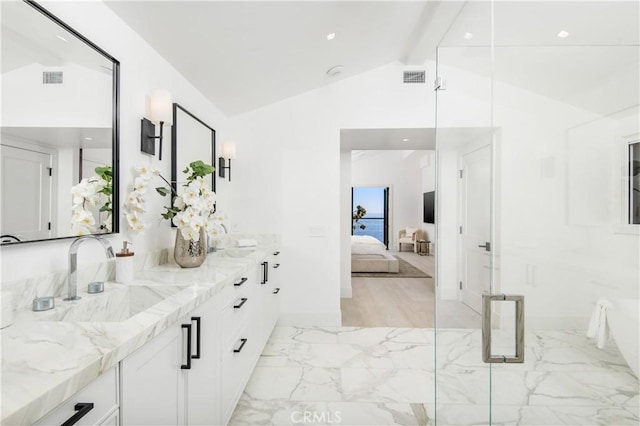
[
  {"x": 410, "y": 77},
  {"x": 52, "y": 77}
]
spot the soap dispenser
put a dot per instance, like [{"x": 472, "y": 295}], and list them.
[{"x": 124, "y": 264}]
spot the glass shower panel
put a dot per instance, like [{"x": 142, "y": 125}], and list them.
[
  {"x": 566, "y": 109},
  {"x": 464, "y": 144}
]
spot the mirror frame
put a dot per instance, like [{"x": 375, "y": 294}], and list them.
[
  {"x": 174, "y": 148},
  {"x": 115, "y": 127}
]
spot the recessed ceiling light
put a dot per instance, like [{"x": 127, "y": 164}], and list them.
[
  {"x": 563, "y": 34},
  {"x": 331, "y": 36},
  {"x": 468, "y": 36},
  {"x": 405, "y": 140},
  {"x": 335, "y": 71},
  {"x": 62, "y": 38},
  {"x": 88, "y": 139}
]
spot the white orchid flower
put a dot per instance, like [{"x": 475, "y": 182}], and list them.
[
  {"x": 140, "y": 185},
  {"x": 146, "y": 172},
  {"x": 179, "y": 203},
  {"x": 189, "y": 233}
]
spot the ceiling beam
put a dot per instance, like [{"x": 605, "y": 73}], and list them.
[{"x": 433, "y": 24}]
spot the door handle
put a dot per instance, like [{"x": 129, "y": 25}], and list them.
[
  {"x": 187, "y": 366},
  {"x": 199, "y": 325},
  {"x": 486, "y": 246},
  {"x": 82, "y": 409},
  {"x": 487, "y": 356}
]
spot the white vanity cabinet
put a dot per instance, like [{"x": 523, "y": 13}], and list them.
[
  {"x": 239, "y": 348},
  {"x": 96, "y": 404},
  {"x": 270, "y": 288},
  {"x": 174, "y": 379},
  {"x": 153, "y": 389},
  {"x": 203, "y": 378}
]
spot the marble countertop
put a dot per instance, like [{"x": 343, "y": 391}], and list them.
[{"x": 46, "y": 361}]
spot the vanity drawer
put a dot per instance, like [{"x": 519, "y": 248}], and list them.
[
  {"x": 102, "y": 393},
  {"x": 235, "y": 318},
  {"x": 238, "y": 288},
  {"x": 236, "y": 369}
]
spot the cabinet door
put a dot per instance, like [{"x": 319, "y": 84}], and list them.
[
  {"x": 89, "y": 405},
  {"x": 203, "y": 379},
  {"x": 153, "y": 383}
]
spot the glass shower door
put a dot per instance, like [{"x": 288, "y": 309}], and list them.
[{"x": 552, "y": 89}]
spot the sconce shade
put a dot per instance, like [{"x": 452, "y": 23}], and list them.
[
  {"x": 229, "y": 150},
  {"x": 161, "y": 107}
]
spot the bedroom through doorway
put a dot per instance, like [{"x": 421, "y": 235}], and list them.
[{"x": 372, "y": 202}]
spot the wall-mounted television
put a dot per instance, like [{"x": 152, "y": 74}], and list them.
[{"x": 429, "y": 207}]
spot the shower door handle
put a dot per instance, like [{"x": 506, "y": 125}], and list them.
[{"x": 487, "y": 356}]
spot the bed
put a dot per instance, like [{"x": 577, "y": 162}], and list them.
[{"x": 368, "y": 254}]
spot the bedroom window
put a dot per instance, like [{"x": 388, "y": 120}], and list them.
[{"x": 375, "y": 223}]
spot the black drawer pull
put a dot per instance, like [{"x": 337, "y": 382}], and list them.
[
  {"x": 82, "y": 409},
  {"x": 265, "y": 268},
  {"x": 277, "y": 290},
  {"x": 242, "y": 302},
  {"x": 239, "y": 283},
  {"x": 198, "y": 324},
  {"x": 276, "y": 266},
  {"x": 275, "y": 253},
  {"x": 187, "y": 366},
  {"x": 244, "y": 341}
]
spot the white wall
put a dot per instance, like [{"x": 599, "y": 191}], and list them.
[
  {"x": 142, "y": 71},
  {"x": 402, "y": 175},
  {"x": 288, "y": 177}
]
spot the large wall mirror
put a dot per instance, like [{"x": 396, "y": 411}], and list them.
[
  {"x": 191, "y": 139},
  {"x": 58, "y": 129}
]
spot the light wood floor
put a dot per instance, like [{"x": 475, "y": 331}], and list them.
[{"x": 403, "y": 302}]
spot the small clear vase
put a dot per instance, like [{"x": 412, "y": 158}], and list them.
[{"x": 190, "y": 253}]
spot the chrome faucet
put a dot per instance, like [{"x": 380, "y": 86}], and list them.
[{"x": 73, "y": 262}]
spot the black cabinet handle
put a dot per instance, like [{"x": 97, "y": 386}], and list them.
[
  {"x": 277, "y": 290},
  {"x": 242, "y": 281},
  {"x": 275, "y": 253},
  {"x": 276, "y": 266},
  {"x": 82, "y": 409},
  {"x": 239, "y": 348},
  {"x": 198, "y": 324},
  {"x": 239, "y": 305},
  {"x": 264, "y": 273},
  {"x": 486, "y": 246},
  {"x": 187, "y": 366}
]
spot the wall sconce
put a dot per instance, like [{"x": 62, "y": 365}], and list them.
[
  {"x": 229, "y": 153},
  {"x": 160, "y": 113}
]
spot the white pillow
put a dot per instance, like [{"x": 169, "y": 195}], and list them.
[{"x": 410, "y": 231}]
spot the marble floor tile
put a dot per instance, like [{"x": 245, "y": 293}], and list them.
[
  {"x": 252, "y": 413},
  {"x": 387, "y": 385},
  {"x": 293, "y": 384},
  {"x": 386, "y": 375}
]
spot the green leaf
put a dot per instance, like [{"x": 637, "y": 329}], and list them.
[{"x": 163, "y": 191}]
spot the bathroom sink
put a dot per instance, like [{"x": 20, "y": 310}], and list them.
[{"x": 117, "y": 303}]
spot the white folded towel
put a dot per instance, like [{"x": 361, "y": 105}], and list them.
[
  {"x": 598, "y": 327},
  {"x": 246, "y": 242}
]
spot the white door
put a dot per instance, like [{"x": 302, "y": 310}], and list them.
[
  {"x": 25, "y": 188},
  {"x": 475, "y": 220}
]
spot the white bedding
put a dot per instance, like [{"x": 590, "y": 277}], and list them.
[{"x": 365, "y": 244}]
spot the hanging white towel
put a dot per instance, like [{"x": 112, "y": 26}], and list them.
[{"x": 598, "y": 327}]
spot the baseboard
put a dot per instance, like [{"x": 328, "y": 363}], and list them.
[{"x": 346, "y": 292}]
